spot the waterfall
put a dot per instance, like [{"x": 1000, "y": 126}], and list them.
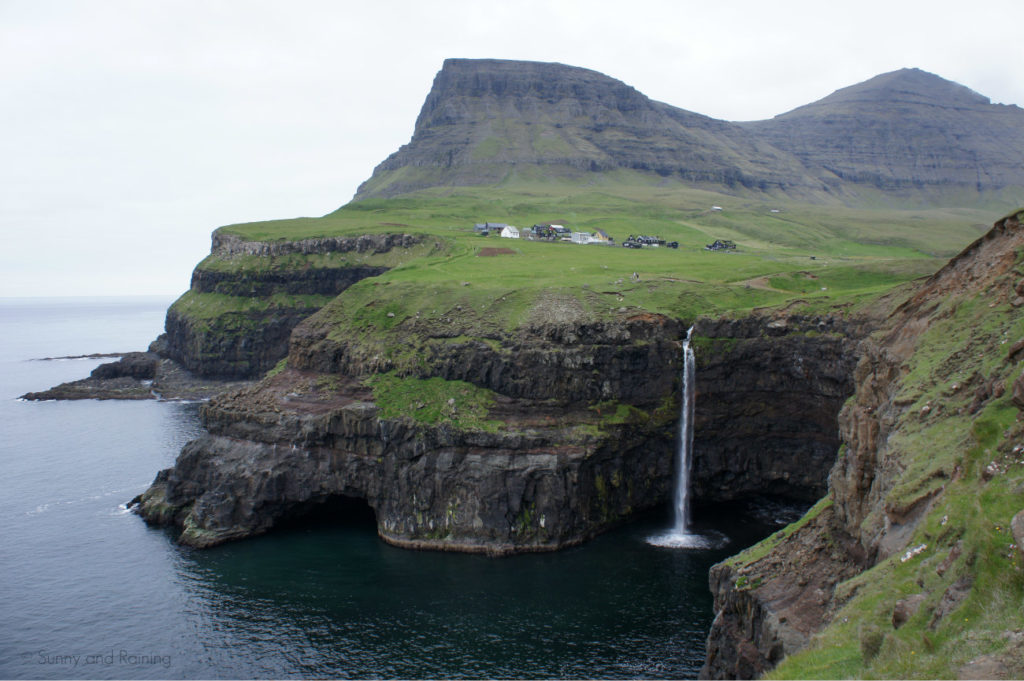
[
  {"x": 680, "y": 536},
  {"x": 682, "y": 495}
]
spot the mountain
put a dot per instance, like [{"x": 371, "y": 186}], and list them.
[
  {"x": 908, "y": 132},
  {"x": 485, "y": 120},
  {"x": 908, "y": 128}
]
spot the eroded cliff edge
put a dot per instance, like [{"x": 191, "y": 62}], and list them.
[
  {"x": 522, "y": 440},
  {"x": 910, "y": 565},
  {"x": 247, "y": 296}
]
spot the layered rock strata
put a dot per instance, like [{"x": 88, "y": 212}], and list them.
[
  {"x": 430, "y": 487},
  {"x": 245, "y": 299},
  {"x": 552, "y": 470},
  {"x": 905, "y": 130},
  {"x": 907, "y": 445},
  {"x": 485, "y": 118},
  {"x": 908, "y": 133}
]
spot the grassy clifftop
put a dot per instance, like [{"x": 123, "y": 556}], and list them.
[
  {"x": 456, "y": 285},
  {"x": 787, "y": 251}
]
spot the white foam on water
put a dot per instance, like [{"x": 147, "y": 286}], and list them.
[{"x": 687, "y": 540}]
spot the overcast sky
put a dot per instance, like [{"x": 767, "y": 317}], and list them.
[{"x": 130, "y": 129}]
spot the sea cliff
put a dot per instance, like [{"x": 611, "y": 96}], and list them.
[
  {"x": 247, "y": 296},
  {"x": 532, "y": 441},
  {"x": 910, "y": 564}
]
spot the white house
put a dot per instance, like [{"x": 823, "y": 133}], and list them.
[
  {"x": 510, "y": 232},
  {"x": 581, "y": 237}
]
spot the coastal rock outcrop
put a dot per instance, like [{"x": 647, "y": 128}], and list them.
[
  {"x": 430, "y": 487},
  {"x": 247, "y": 296},
  {"x": 561, "y": 431},
  {"x": 138, "y": 376}
]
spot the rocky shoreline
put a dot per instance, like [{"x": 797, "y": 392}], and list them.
[{"x": 137, "y": 376}]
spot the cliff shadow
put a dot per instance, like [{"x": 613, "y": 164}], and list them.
[{"x": 335, "y": 510}]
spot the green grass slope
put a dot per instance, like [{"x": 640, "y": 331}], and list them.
[
  {"x": 808, "y": 256},
  {"x": 957, "y": 450}
]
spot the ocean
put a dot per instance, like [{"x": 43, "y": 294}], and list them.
[{"x": 90, "y": 592}]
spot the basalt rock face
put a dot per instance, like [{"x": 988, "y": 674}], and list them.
[
  {"x": 552, "y": 475},
  {"x": 247, "y": 296},
  {"x": 768, "y": 392},
  {"x": 760, "y": 620},
  {"x": 323, "y": 282},
  {"x": 226, "y": 244},
  {"x": 555, "y": 472},
  {"x": 907, "y": 444},
  {"x": 634, "y": 360},
  {"x": 234, "y": 345},
  {"x": 434, "y": 488}
]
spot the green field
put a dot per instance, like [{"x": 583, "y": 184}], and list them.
[{"x": 809, "y": 257}]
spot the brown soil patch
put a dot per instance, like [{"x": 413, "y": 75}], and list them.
[
  {"x": 646, "y": 317},
  {"x": 760, "y": 283},
  {"x": 488, "y": 252}
]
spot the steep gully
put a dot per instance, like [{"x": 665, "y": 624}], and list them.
[{"x": 770, "y": 605}]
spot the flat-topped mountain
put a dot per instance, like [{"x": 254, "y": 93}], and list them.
[
  {"x": 907, "y": 132},
  {"x": 486, "y": 120}
]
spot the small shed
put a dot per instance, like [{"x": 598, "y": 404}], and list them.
[{"x": 721, "y": 245}]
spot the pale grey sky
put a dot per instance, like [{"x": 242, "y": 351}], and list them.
[{"x": 130, "y": 130}]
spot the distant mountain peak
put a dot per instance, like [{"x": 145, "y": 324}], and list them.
[
  {"x": 906, "y": 132},
  {"x": 904, "y": 86}
]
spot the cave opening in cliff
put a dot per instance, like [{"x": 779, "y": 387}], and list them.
[{"x": 335, "y": 510}]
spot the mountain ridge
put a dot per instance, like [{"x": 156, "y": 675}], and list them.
[
  {"x": 483, "y": 118},
  {"x": 908, "y": 131},
  {"x": 905, "y": 129}
]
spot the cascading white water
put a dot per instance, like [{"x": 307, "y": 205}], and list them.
[
  {"x": 682, "y": 525},
  {"x": 680, "y": 535}
]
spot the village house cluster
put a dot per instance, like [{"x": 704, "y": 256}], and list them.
[
  {"x": 553, "y": 232},
  {"x": 544, "y": 232}
]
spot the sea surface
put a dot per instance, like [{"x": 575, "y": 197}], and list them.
[{"x": 87, "y": 590}]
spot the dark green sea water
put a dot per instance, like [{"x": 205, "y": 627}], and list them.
[{"x": 88, "y": 591}]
